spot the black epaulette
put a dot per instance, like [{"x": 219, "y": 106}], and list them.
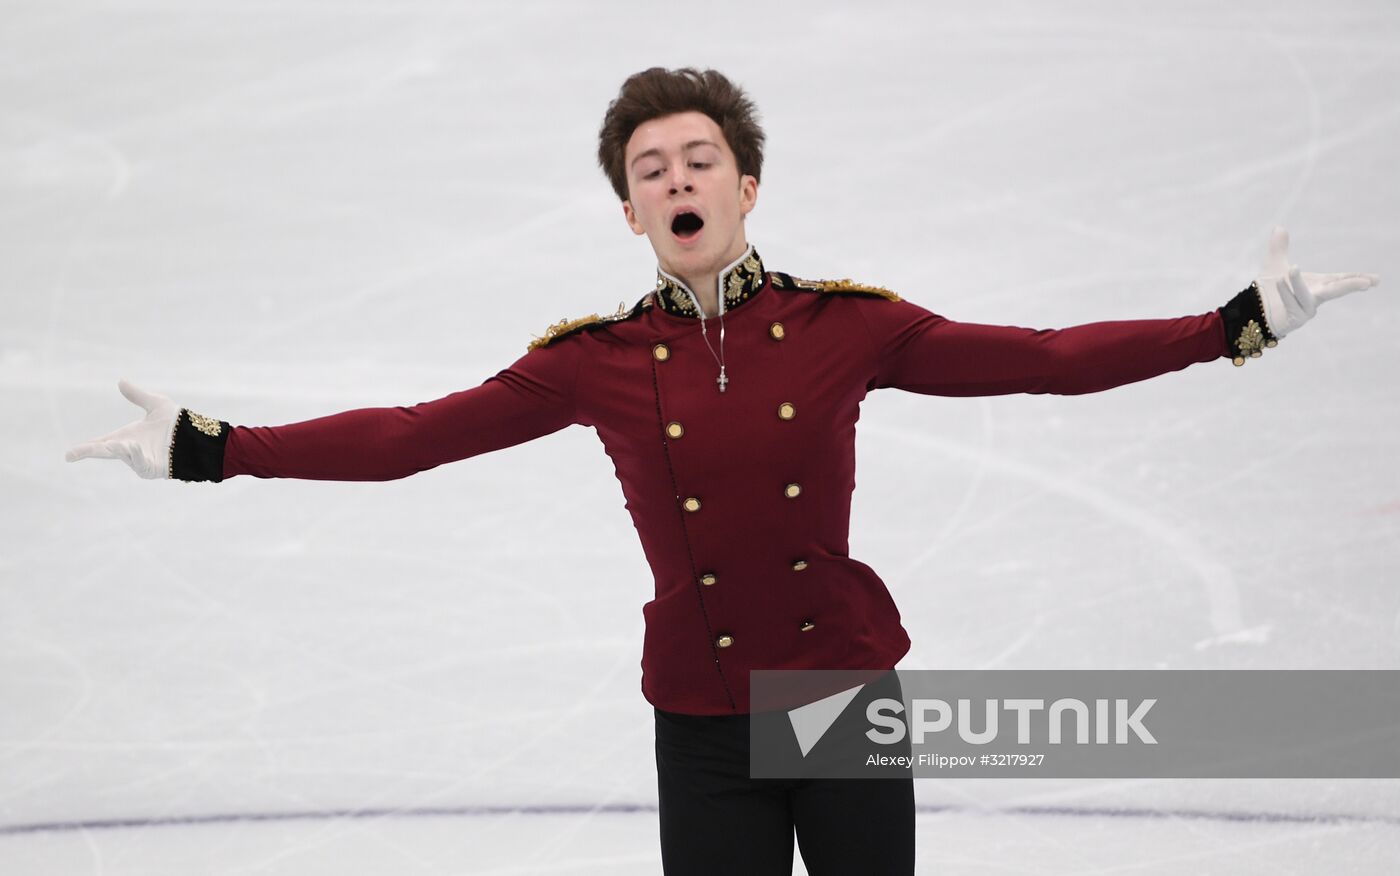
[
  {"x": 566, "y": 327},
  {"x": 789, "y": 283}
]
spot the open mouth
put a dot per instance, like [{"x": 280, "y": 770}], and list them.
[{"x": 686, "y": 226}]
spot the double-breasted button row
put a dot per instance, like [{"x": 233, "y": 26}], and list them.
[
  {"x": 709, "y": 579},
  {"x": 675, "y": 430},
  {"x": 725, "y": 640},
  {"x": 663, "y": 352},
  {"x": 792, "y": 491}
]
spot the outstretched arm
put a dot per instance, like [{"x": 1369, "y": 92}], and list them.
[
  {"x": 531, "y": 398},
  {"x": 922, "y": 352}
]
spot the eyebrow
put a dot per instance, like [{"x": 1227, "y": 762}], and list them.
[{"x": 686, "y": 148}]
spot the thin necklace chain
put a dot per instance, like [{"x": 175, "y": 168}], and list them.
[{"x": 722, "y": 380}]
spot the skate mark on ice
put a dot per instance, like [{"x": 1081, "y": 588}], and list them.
[
  {"x": 1216, "y": 577},
  {"x": 1221, "y": 815}
]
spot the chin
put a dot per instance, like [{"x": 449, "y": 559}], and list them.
[{"x": 683, "y": 259}]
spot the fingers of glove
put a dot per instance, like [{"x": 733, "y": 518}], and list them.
[
  {"x": 98, "y": 449},
  {"x": 128, "y": 451},
  {"x": 135, "y": 456},
  {"x": 138, "y": 396},
  {"x": 1325, "y": 287},
  {"x": 1276, "y": 262}
]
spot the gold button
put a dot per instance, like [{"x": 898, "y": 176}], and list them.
[
  {"x": 786, "y": 411},
  {"x": 799, "y": 565},
  {"x": 661, "y": 352},
  {"x": 776, "y": 330},
  {"x": 692, "y": 504},
  {"x": 724, "y": 641},
  {"x": 674, "y": 429},
  {"x": 708, "y": 579},
  {"x": 792, "y": 491},
  {"x": 808, "y": 625}
]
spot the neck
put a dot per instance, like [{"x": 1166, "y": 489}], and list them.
[{"x": 705, "y": 287}]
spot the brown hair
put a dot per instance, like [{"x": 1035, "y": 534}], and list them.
[{"x": 659, "y": 92}]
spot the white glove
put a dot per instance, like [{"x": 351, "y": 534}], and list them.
[
  {"x": 1291, "y": 296},
  {"x": 145, "y": 444}
]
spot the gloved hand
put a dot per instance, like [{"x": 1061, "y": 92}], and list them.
[
  {"x": 1290, "y": 296},
  {"x": 145, "y": 445}
]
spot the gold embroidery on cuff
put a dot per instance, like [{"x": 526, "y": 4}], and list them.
[
  {"x": 208, "y": 425},
  {"x": 1254, "y": 338},
  {"x": 1251, "y": 340}
]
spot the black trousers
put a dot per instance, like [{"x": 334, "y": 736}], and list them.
[{"x": 715, "y": 819}]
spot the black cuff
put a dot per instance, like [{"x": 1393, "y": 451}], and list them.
[
  {"x": 197, "y": 448},
  {"x": 1246, "y": 329}
]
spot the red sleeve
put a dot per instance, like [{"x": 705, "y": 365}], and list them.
[
  {"x": 922, "y": 352},
  {"x": 531, "y": 398}
]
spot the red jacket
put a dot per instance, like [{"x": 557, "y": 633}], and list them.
[{"x": 748, "y": 550}]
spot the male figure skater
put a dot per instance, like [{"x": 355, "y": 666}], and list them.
[{"x": 727, "y": 398}]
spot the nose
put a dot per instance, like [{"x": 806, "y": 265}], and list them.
[{"x": 680, "y": 178}]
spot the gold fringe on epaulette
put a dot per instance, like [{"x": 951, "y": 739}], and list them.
[
  {"x": 562, "y": 327},
  {"x": 844, "y": 286},
  {"x": 568, "y": 326},
  {"x": 847, "y": 285}
]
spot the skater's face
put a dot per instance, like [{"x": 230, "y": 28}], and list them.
[{"x": 678, "y": 165}]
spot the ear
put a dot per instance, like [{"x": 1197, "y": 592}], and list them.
[
  {"x": 631, "y": 217},
  {"x": 748, "y": 194}
]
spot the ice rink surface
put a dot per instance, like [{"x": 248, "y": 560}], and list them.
[{"x": 274, "y": 211}]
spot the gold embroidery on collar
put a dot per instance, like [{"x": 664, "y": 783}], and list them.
[
  {"x": 674, "y": 295},
  {"x": 744, "y": 280},
  {"x": 739, "y": 285}
]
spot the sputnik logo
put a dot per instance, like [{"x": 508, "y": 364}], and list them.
[{"x": 810, "y": 722}]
